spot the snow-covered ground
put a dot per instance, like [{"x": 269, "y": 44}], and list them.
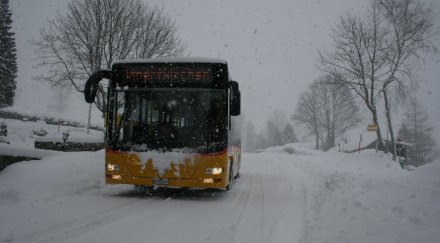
[
  {"x": 285, "y": 194},
  {"x": 21, "y": 134}
]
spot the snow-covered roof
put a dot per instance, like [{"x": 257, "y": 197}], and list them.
[{"x": 173, "y": 60}]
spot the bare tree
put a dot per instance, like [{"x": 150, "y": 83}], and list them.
[
  {"x": 410, "y": 31},
  {"x": 274, "y": 127},
  {"x": 306, "y": 112},
  {"x": 331, "y": 111},
  {"x": 60, "y": 104},
  {"x": 357, "y": 60},
  {"x": 261, "y": 141},
  {"x": 95, "y": 33},
  {"x": 374, "y": 55},
  {"x": 337, "y": 110},
  {"x": 250, "y": 137}
]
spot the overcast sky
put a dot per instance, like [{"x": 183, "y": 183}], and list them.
[{"x": 271, "y": 46}]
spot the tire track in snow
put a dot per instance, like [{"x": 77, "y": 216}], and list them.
[
  {"x": 262, "y": 210},
  {"x": 253, "y": 209},
  {"x": 266, "y": 204},
  {"x": 235, "y": 210},
  {"x": 281, "y": 198},
  {"x": 245, "y": 220},
  {"x": 71, "y": 229}
]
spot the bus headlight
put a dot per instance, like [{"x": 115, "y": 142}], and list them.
[
  {"x": 214, "y": 171},
  {"x": 112, "y": 167}
]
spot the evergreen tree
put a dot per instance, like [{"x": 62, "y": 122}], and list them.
[
  {"x": 289, "y": 135},
  {"x": 8, "y": 62},
  {"x": 404, "y": 133},
  {"x": 416, "y": 131},
  {"x": 261, "y": 141}
]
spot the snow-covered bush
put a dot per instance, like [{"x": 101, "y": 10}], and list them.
[{"x": 40, "y": 132}]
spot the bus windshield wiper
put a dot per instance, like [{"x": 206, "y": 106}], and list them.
[{"x": 122, "y": 120}]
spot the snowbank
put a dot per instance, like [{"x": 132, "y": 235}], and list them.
[
  {"x": 21, "y": 133},
  {"x": 11, "y": 150},
  {"x": 86, "y": 138},
  {"x": 293, "y": 148},
  {"x": 350, "y": 140},
  {"x": 367, "y": 197}
]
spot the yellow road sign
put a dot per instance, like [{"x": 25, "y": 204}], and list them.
[{"x": 372, "y": 127}]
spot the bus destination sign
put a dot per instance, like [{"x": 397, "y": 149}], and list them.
[{"x": 168, "y": 73}]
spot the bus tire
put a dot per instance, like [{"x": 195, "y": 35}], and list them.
[{"x": 231, "y": 177}]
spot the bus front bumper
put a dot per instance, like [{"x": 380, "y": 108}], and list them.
[{"x": 201, "y": 183}]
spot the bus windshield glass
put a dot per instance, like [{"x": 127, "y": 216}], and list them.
[{"x": 168, "y": 119}]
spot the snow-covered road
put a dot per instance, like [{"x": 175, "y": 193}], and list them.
[
  {"x": 294, "y": 196},
  {"x": 64, "y": 200}
]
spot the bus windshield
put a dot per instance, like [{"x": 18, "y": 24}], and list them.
[{"x": 169, "y": 119}]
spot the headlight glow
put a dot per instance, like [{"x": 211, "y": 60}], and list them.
[
  {"x": 112, "y": 167},
  {"x": 214, "y": 171}
]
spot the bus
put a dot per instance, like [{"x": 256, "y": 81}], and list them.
[{"x": 170, "y": 122}]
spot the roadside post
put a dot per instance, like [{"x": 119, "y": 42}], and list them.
[
  {"x": 372, "y": 127},
  {"x": 3, "y": 129},
  {"x": 65, "y": 137}
]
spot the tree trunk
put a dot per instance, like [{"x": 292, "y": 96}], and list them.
[
  {"x": 378, "y": 131},
  {"x": 390, "y": 125},
  {"x": 315, "y": 128}
]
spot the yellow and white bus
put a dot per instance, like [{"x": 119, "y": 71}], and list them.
[{"x": 171, "y": 122}]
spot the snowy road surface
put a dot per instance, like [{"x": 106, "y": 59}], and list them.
[
  {"x": 280, "y": 197},
  {"x": 264, "y": 205}
]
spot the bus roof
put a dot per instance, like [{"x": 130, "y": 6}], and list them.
[{"x": 172, "y": 60}]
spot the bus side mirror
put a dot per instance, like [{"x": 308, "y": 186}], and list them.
[
  {"x": 235, "y": 98},
  {"x": 91, "y": 86}
]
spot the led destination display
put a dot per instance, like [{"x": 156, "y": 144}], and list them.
[{"x": 165, "y": 73}]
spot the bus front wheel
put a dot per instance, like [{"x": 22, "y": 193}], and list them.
[{"x": 231, "y": 177}]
